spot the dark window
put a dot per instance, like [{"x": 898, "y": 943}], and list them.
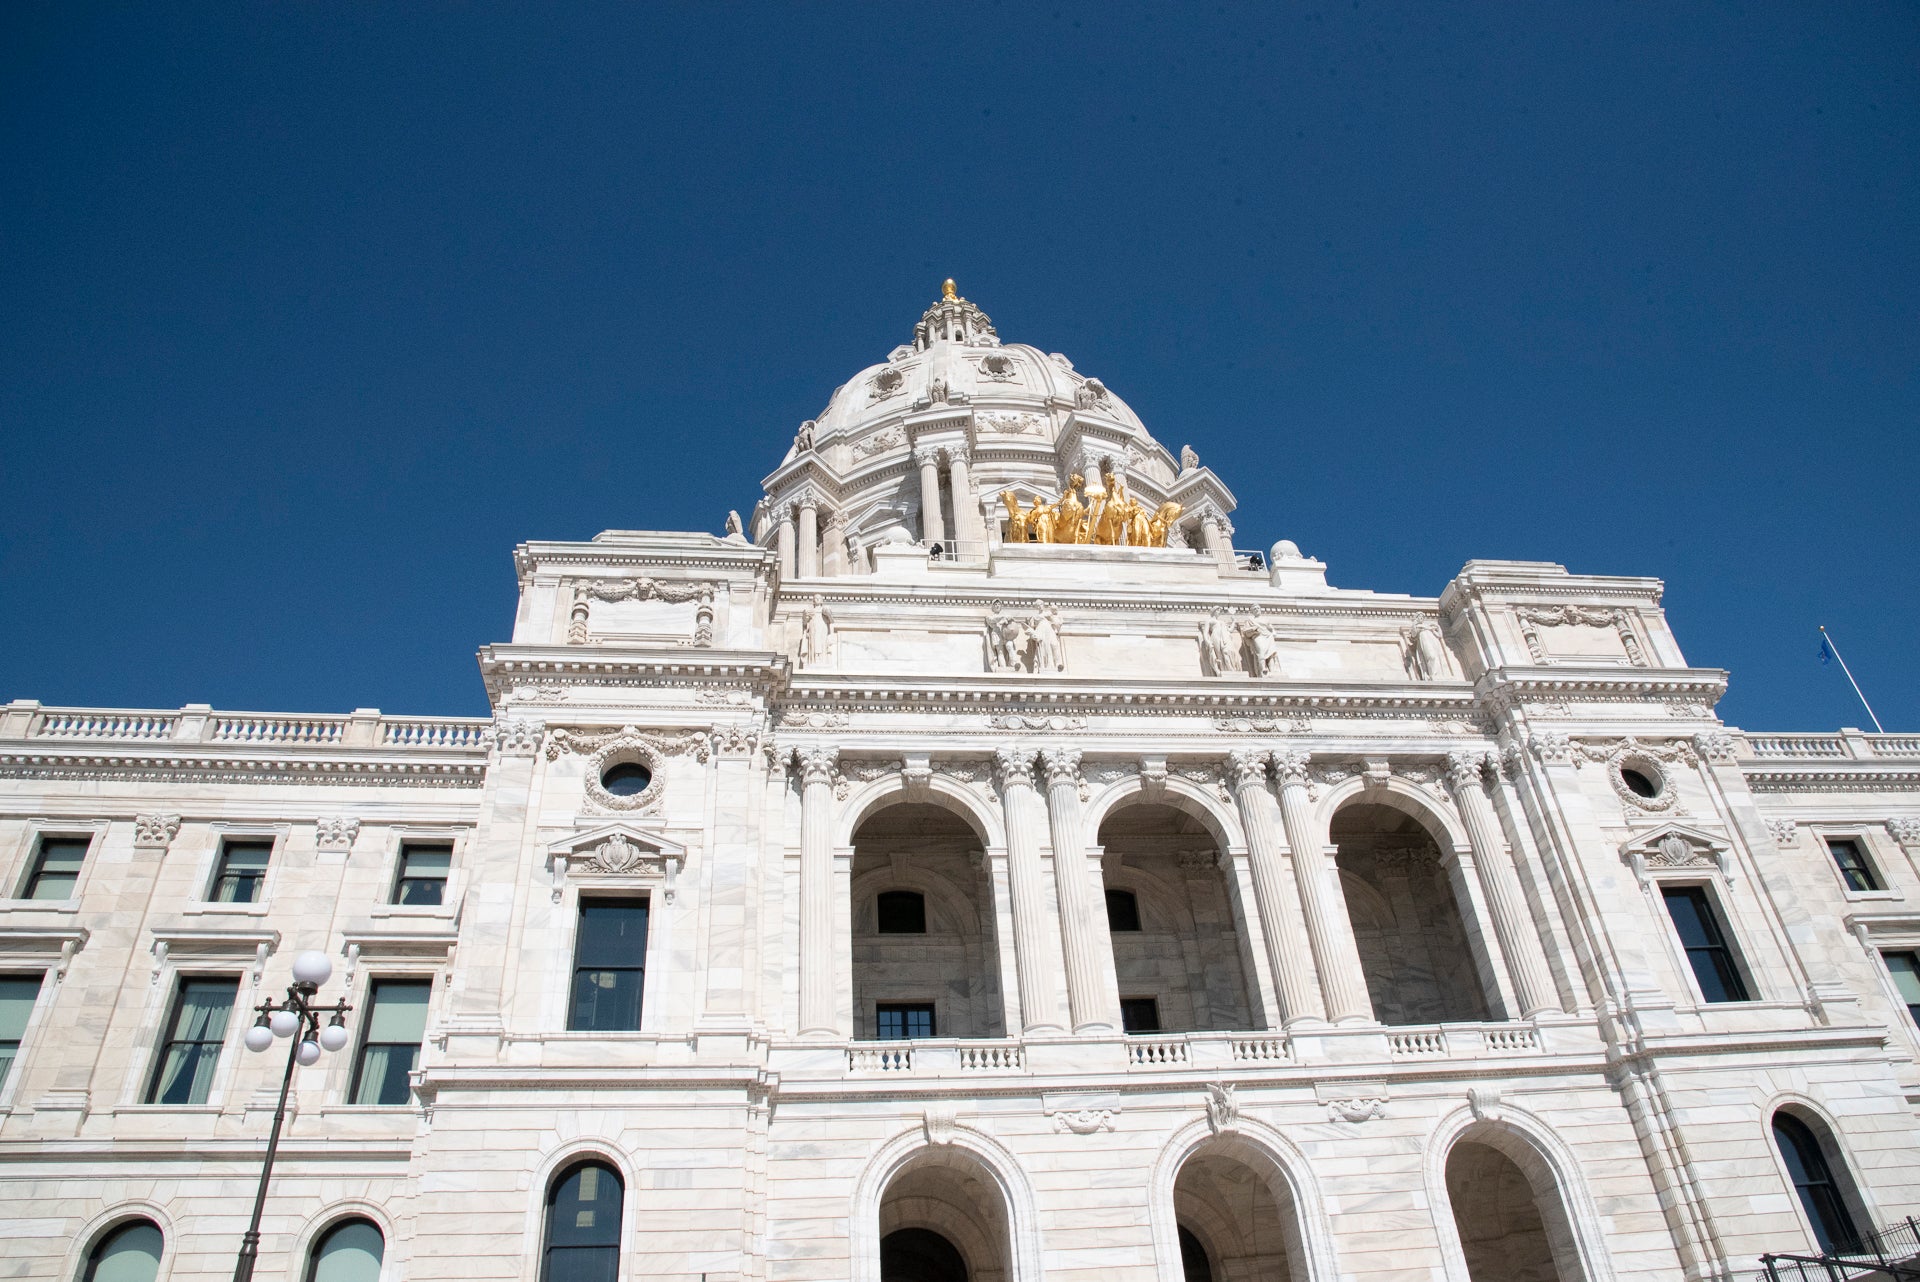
[
  {"x": 17, "y": 996},
  {"x": 423, "y": 874},
  {"x": 1123, "y": 910},
  {"x": 920, "y": 1255},
  {"x": 396, "y": 1021},
  {"x": 583, "y": 1226},
  {"x": 896, "y": 1021},
  {"x": 626, "y": 778},
  {"x": 350, "y": 1251},
  {"x": 56, "y": 868},
  {"x": 1639, "y": 783},
  {"x": 1139, "y": 1014},
  {"x": 197, "y": 1026},
  {"x": 902, "y": 912},
  {"x": 609, "y": 962},
  {"x": 1813, "y": 1181},
  {"x": 131, "y": 1253},
  {"x": 1905, "y": 969},
  {"x": 1193, "y": 1258},
  {"x": 1853, "y": 864},
  {"x": 243, "y": 867},
  {"x": 1707, "y": 951}
]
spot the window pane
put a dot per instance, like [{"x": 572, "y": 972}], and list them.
[
  {"x": 384, "y": 1074},
  {"x": 1691, "y": 917},
  {"x": 56, "y": 869},
  {"x": 243, "y": 866},
  {"x": 395, "y": 1026},
  {"x": 184, "y": 1074},
  {"x": 129, "y": 1254},
  {"x": 606, "y": 1001},
  {"x": 902, "y": 912},
  {"x": 399, "y": 1010},
  {"x": 1712, "y": 961},
  {"x": 350, "y": 1253},
  {"x": 423, "y": 874},
  {"x": 1813, "y": 1181},
  {"x": 613, "y": 932},
  {"x": 1853, "y": 865},
  {"x": 894, "y": 1021},
  {"x": 17, "y": 995},
  {"x": 1905, "y": 968},
  {"x": 585, "y": 1208}
]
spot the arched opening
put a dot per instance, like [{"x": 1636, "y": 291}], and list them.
[
  {"x": 925, "y": 963},
  {"x": 1509, "y": 1214},
  {"x": 583, "y": 1225},
  {"x": 1237, "y": 1218},
  {"x": 350, "y": 1251},
  {"x": 1175, "y": 921},
  {"x": 1817, "y": 1171},
  {"x": 1415, "y": 953},
  {"x": 942, "y": 1219},
  {"x": 130, "y": 1252}
]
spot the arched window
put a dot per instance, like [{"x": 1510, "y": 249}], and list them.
[
  {"x": 130, "y": 1253},
  {"x": 350, "y": 1251},
  {"x": 583, "y": 1225},
  {"x": 1813, "y": 1181}
]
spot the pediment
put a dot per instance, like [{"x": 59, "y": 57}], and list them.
[
  {"x": 1677, "y": 846},
  {"x": 617, "y": 854},
  {"x": 584, "y": 844}
]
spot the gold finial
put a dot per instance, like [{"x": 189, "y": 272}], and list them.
[{"x": 946, "y": 289}]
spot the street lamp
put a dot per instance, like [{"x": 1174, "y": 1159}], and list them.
[{"x": 296, "y": 1015}]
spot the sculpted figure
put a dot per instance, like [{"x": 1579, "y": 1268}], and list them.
[
  {"x": 1426, "y": 655},
  {"x": 1046, "y": 640},
  {"x": 1188, "y": 459},
  {"x": 1016, "y": 519},
  {"x": 1043, "y": 522},
  {"x": 816, "y": 635},
  {"x": 937, "y": 391},
  {"x": 1261, "y": 649},
  {"x": 1113, "y": 516},
  {"x": 734, "y": 529},
  {"x": 1162, "y": 524},
  {"x": 1139, "y": 525},
  {"x": 1072, "y": 523},
  {"x": 1001, "y": 656},
  {"x": 1219, "y": 647},
  {"x": 803, "y": 439}
]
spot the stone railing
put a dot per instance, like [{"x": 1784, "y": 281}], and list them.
[
  {"x": 24, "y": 719},
  {"x": 936, "y": 1056},
  {"x": 1848, "y": 745},
  {"x": 1158, "y": 1052}
]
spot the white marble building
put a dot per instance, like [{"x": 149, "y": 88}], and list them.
[{"x": 867, "y": 894}]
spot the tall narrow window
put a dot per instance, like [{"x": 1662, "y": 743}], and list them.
[
  {"x": 1813, "y": 1181},
  {"x": 896, "y": 1021},
  {"x": 184, "y": 1073},
  {"x": 350, "y": 1251},
  {"x": 56, "y": 868},
  {"x": 1707, "y": 952},
  {"x": 422, "y": 877},
  {"x": 242, "y": 870},
  {"x": 1852, "y": 862},
  {"x": 131, "y": 1253},
  {"x": 901, "y": 912},
  {"x": 1905, "y": 969},
  {"x": 583, "y": 1226},
  {"x": 1139, "y": 1014},
  {"x": 609, "y": 963},
  {"x": 17, "y": 996},
  {"x": 394, "y": 1028}
]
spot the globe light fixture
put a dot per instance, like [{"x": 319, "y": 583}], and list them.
[
  {"x": 309, "y": 1052},
  {"x": 312, "y": 967},
  {"x": 284, "y": 1022},
  {"x": 259, "y": 1037},
  {"x": 334, "y": 1035}
]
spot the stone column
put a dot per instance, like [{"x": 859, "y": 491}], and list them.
[
  {"x": 1335, "y": 954},
  {"x": 932, "y": 528},
  {"x": 1287, "y": 954},
  {"x": 1083, "y": 925},
  {"x": 833, "y": 548},
  {"x": 1519, "y": 943},
  {"x": 1216, "y": 540},
  {"x": 783, "y": 541},
  {"x": 818, "y": 997},
  {"x": 968, "y": 528},
  {"x": 1039, "y": 1001},
  {"x": 809, "y": 558}
]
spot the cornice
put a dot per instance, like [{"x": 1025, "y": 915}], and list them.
[
  {"x": 745, "y": 559},
  {"x": 1165, "y": 599},
  {"x": 1853, "y": 776},
  {"x": 999, "y": 691},
  {"x": 165, "y": 762},
  {"x": 1503, "y": 687}
]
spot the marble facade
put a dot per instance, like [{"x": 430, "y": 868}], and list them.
[{"x": 1399, "y": 864}]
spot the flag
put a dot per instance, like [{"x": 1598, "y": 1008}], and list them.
[{"x": 1826, "y": 651}]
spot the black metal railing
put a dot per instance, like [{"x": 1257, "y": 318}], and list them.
[{"x": 1891, "y": 1253}]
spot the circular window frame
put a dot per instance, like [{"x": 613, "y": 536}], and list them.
[
  {"x": 1653, "y": 771},
  {"x": 620, "y": 753}
]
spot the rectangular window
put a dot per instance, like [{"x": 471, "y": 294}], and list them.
[
  {"x": 1706, "y": 944},
  {"x": 1139, "y": 1014},
  {"x": 17, "y": 995},
  {"x": 423, "y": 874},
  {"x": 897, "y": 1021},
  {"x": 609, "y": 963},
  {"x": 901, "y": 912},
  {"x": 56, "y": 868},
  {"x": 1852, "y": 862},
  {"x": 197, "y": 1026},
  {"x": 396, "y": 1022},
  {"x": 1905, "y": 968},
  {"x": 241, "y": 872}
]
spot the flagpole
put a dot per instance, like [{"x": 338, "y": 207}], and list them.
[{"x": 1828, "y": 638}]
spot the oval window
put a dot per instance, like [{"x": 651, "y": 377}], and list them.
[
  {"x": 626, "y": 779},
  {"x": 1639, "y": 782}
]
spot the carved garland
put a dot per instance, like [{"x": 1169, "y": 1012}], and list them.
[
  {"x": 1533, "y": 618},
  {"x": 671, "y": 592}
]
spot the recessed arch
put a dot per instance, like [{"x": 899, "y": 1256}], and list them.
[
  {"x": 1570, "y": 1219},
  {"x": 1218, "y": 816},
  {"x": 105, "y": 1222},
  {"x": 349, "y": 1248},
  {"x": 949, "y": 794},
  {"x": 321, "y": 1221},
  {"x": 561, "y": 1156},
  {"x": 1399, "y": 794},
  {"x": 1820, "y": 1128},
  {"x": 983, "y": 1156},
  {"x": 129, "y": 1248},
  {"x": 1271, "y": 1156}
]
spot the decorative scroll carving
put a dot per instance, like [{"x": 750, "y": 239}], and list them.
[
  {"x": 1083, "y": 1121},
  {"x": 998, "y": 367},
  {"x": 1007, "y": 423},
  {"x": 1906, "y": 831},
  {"x": 813, "y": 719},
  {"x": 1551, "y": 747},
  {"x": 1023, "y": 721},
  {"x": 154, "y": 831},
  {"x": 1357, "y": 1110},
  {"x": 1785, "y": 832},
  {"x": 1714, "y": 745},
  {"x": 1290, "y": 768},
  {"x": 1012, "y": 766},
  {"x": 518, "y": 736},
  {"x": 337, "y": 832},
  {"x": 1265, "y": 725},
  {"x": 1675, "y": 847},
  {"x": 885, "y": 385},
  {"x": 939, "y": 1123},
  {"x": 617, "y": 852},
  {"x": 880, "y": 442},
  {"x": 574, "y": 741},
  {"x": 1533, "y": 618},
  {"x": 1247, "y": 765},
  {"x": 539, "y": 694},
  {"x": 1223, "y": 1108},
  {"x": 735, "y": 741},
  {"x": 670, "y": 591}
]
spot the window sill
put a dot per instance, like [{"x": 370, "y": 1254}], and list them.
[
  {"x": 65, "y": 906},
  {"x": 411, "y": 1108},
  {"x": 168, "y": 1110},
  {"x": 1871, "y": 896},
  {"x": 414, "y": 912},
  {"x": 210, "y": 908}
]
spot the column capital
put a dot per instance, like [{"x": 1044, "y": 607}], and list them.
[
  {"x": 1248, "y": 766},
  {"x": 1013, "y": 766},
  {"x": 1290, "y": 766},
  {"x": 1466, "y": 769},
  {"x": 816, "y": 764},
  {"x": 1062, "y": 765},
  {"x": 927, "y": 455}
]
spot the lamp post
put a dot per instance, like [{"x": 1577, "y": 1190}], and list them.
[{"x": 297, "y": 1019}]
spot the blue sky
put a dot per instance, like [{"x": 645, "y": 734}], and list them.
[{"x": 311, "y": 312}]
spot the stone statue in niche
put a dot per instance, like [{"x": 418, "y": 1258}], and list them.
[
  {"x": 1426, "y": 652},
  {"x": 1219, "y": 647},
  {"x": 803, "y": 439},
  {"x": 1188, "y": 459},
  {"x": 816, "y": 635},
  {"x": 1262, "y": 651},
  {"x": 937, "y": 391}
]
